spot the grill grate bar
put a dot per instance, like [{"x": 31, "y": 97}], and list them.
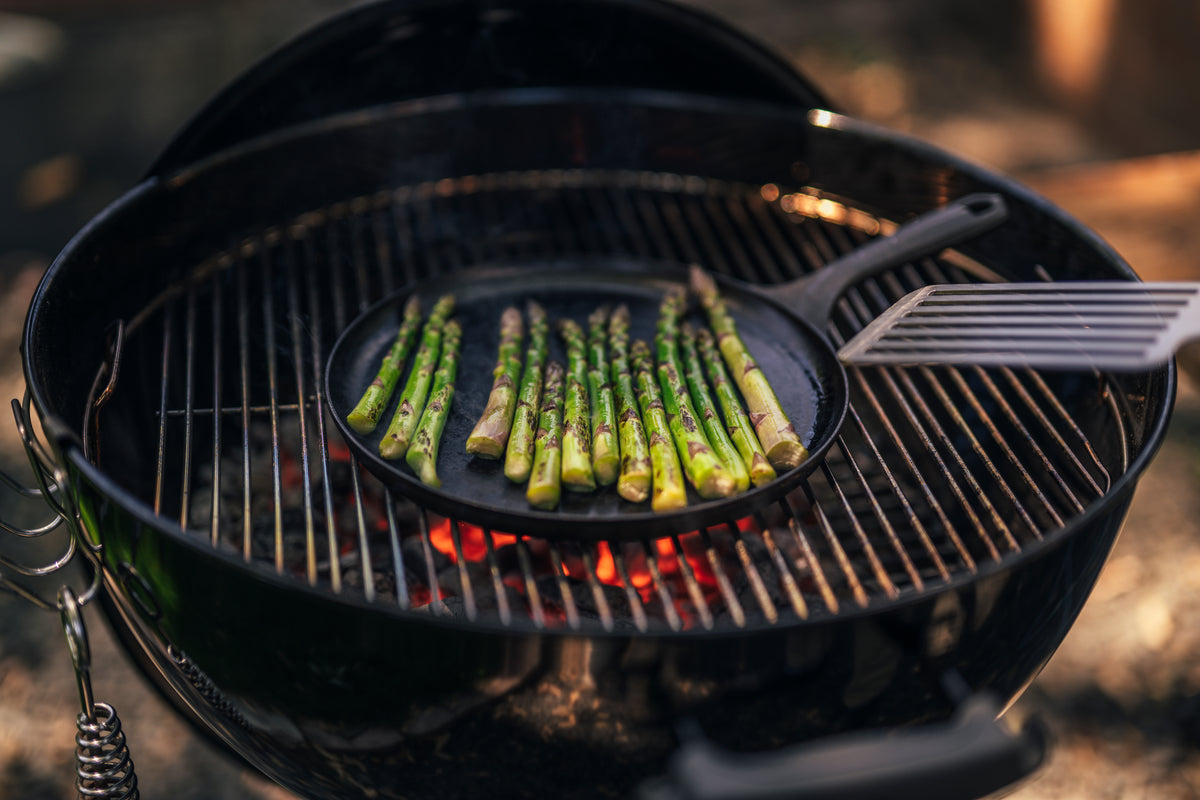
[
  {"x": 733, "y": 606},
  {"x": 317, "y": 336},
  {"x": 272, "y": 359},
  {"x": 503, "y": 609},
  {"x": 836, "y": 547},
  {"x": 394, "y": 534},
  {"x": 431, "y": 579},
  {"x": 243, "y": 320},
  {"x": 628, "y": 222},
  {"x": 189, "y": 402},
  {"x": 570, "y": 611},
  {"x": 810, "y": 558},
  {"x": 757, "y": 585},
  {"x": 787, "y": 580},
  {"x": 912, "y": 472},
  {"x": 674, "y": 621},
  {"x": 1030, "y": 484},
  {"x": 692, "y": 586},
  {"x": 218, "y": 368},
  {"x": 860, "y": 534},
  {"x": 296, "y": 316},
  {"x": 880, "y": 514},
  {"x": 531, "y": 588},
  {"x": 603, "y": 610},
  {"x": 637, "y": 610},
  {"x": 1046, "y": 427},
  {"x": 465, "y": 587},
  {"x": 164, "y": 394},
  {"x": 1098, "y": 484}
]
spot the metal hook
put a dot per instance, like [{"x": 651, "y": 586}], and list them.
[
  {"x": 81, "y": 654},
  {"x": 102, "y": 394},
  {"x": 40, "y": 462}
]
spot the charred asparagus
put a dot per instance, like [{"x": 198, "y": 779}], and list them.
[
  {"x": 606, "y": 453},
  {"x": 544, "y": 486},
  {"x": 633, "y": 482},
  {"x": 667, "y": 489},
  {"x": 736, "y": 422},
  {"x": 577, "y": 474},
  {"x": 710, "y": 418},
  {"x": 779, "y": 439},
  {"x": 518, "y": 456},
  {"x": 416, "y": 389},
  {"x": 700, "y": 463},
  {"x": 489, "y": 438},
  {"x": 423, "y": 452},
  {"x": 365, "y": 416}
]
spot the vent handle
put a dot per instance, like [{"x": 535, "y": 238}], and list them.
[{"x": 969, "y": 756}]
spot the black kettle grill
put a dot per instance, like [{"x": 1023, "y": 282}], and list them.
[{"x": 857, "y": 638}]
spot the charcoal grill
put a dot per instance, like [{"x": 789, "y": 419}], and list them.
[{"x": 348, "y": 642}]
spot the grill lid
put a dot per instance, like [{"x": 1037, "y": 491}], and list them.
[{"x": 406, "y": 49}]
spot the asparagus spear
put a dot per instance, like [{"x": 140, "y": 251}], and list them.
[
  {"x": 701, "y": 465},
  {"x": 489, "y": 438},
  {"x": 779, "y": 440},
  {"x": 633, "y": 483},
  {"x": 668, "y": 491},
  {"x": 606, "y": 453},
  {"x": 577, "y": 474},
  {"x": 518, "y": 457},
  {"x": 545, "y": 477},
  {"x": 718, "y": 437},
  {"x": 416, "y": 389},
  {"x": 365, "y": 416},
  {"x": 423, "y": 452},
  {"x": 736, "y": 421}
]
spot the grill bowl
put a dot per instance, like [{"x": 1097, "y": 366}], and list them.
[{"x": 342, "y": 686}]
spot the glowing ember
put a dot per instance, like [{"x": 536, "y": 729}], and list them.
[
  {"x": 472, "y": 539},
  {"x": 682, "y": 570}
]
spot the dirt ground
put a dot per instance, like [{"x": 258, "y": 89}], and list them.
[{"x": 1122, "y": 695}]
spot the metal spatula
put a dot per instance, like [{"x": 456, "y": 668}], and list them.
[{"x": 1109, "y": 325}]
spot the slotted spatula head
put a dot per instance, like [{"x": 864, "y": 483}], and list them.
[{"x": 1068, "y": 325}]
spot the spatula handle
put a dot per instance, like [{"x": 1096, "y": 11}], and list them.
[{"x": 813, "y": 297}]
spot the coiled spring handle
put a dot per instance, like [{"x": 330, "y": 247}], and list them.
[{"x": 104, "y": 768}]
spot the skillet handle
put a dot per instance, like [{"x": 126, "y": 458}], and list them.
[
  {"x": 814, "y": 296},
  {"x": 970, "y": 756}
]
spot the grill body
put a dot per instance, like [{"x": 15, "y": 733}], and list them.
[{"x": 337, "y": 682}]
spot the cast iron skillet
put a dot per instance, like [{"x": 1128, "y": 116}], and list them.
[{"x": 780, "y": 324}]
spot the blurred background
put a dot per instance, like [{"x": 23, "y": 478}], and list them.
[{"x": 1088, "y": 101}]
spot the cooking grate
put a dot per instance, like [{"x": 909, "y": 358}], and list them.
[{"x": 937, "y": 473}]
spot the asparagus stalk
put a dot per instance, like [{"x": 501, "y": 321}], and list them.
[
  {"x": 544, "y": 486},
  {"x": 701, "y": 465},
  {"x": 668, "y": 491},
  {"x": 577, "y": 473},
  {"x": 423, "y": 452},
  {"x": 736, "y": 421},
  {"x": 365, "y": 416},
  {"x": 717, "y": 435},
  {"x": 489, "y": 438},
  {"x": 518, "y": 456},
  {"x": 779, "y": 440},
  {"x": 412, "y": 400},
  {"x": 606, "y": 452},
  {"x": 633, "y": 483}
]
